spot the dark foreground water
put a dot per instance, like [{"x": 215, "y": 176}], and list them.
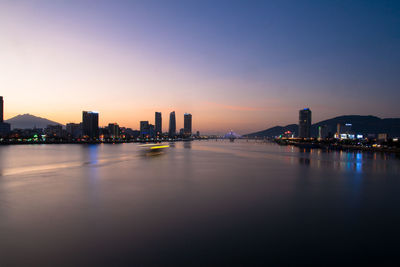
[{"x": 199, "y": 203}]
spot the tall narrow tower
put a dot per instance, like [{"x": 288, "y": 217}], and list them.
[
  {"x": 172, "y": 124},
  {"x": 158, "y": 123},
  {"x": 187, "y": 122}
]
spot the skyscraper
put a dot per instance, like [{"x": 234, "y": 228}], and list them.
[
  {"x": 172, "y": 124},
  {"x": 187, "y": 123},
  {"x": 90, "y": 124},
  {"x": 305, "y": 123},
  {"x": 1, "y": 110},
  {"x": 158, "y": 123}
]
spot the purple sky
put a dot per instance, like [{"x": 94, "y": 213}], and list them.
[{"x": 241, "y": 65}]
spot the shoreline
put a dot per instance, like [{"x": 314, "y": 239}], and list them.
[{"x": 338, "y": 147}]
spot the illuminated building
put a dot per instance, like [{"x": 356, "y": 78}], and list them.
[
  {"x": 344, "y": 131},
  {"x": 172, "y": 124},
  {"x": 113, "y": 129},
  {"x": 90, "y": 124},
  {"x": 187, "y": 122},
  {"x": 158, "y": 123},
  {"x": 305, "y": 123}
]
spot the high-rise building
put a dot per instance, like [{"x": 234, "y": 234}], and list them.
[
  {"x": 305, "y": 123},
  {"x": 172, "y": 124},
  {"x": 113, "y": 129},
  {"x": 1, "y": 110},
  {"x": 144, "y": 128},
  {"x": 187, "y": 123},
  {"x": 158, "y": 123},
  {"x": 90, "y": 124}
]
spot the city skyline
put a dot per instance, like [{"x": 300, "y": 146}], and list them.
[
  {"x": 157, "y": 120},
  {"x": 234, "y": 65}
]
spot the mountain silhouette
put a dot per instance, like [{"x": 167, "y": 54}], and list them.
[
  {"x": 360, "y": 125},
  {"x": 28, "y": 121}
]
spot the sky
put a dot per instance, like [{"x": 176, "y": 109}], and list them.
[{"x": 234, "y": 65}]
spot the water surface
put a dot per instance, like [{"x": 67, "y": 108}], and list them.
[{"x": 198, "y": 203}]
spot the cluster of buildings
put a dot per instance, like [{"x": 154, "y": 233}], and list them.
[
  {"x": 343, "y": 131},
  {"x": 89, "y": 130}
]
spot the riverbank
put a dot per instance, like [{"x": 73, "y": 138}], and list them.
[{"x": 337, "y": 145}]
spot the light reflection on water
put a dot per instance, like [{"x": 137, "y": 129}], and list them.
[
  {"x": 351, "y": 161},
  {"x": 219, "y": 203}
]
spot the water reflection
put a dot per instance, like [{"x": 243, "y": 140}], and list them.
[
  {"x": 151, "y": 154},
  {"x": 118, "y": 205},
  {"x": 339, "y": 160},
  {"x": 187, "y": 145},
  {"x": 359, "y": 162},
  {"x": 90, "y": 155},
  {"x": 93, "y": 154},
  {"x": 305, "y": 159}
]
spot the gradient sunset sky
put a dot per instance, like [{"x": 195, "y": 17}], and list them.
[{"x": 242, "y": 65}]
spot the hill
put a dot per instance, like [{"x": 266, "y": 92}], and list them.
[
  {"x": 27, "y": 121},
  {"x": 360, "y": 125},
  {"x": 274, "y": 131}
]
